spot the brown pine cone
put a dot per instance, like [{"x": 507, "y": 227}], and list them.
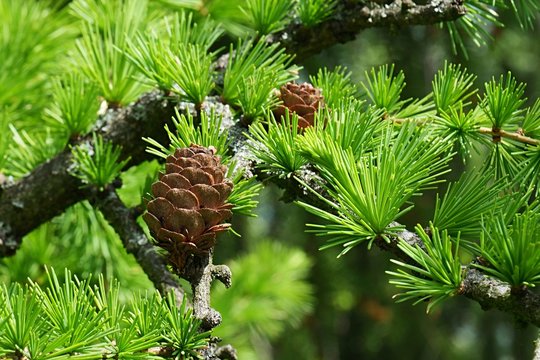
[
  {"x": 190, "y": 203},
  {"x": 303, "y": 99}
]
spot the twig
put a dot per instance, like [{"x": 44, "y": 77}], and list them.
[
  {"x": 537, "y": 349},
  {"x": 496, "y": 134},
  {"x": 492, "y": 293},
  {"x": 200, "y": 272},
  {"x": 509, "y": 135}
]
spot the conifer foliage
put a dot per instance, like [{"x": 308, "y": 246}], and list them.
[{"x": 162, "y": 119}]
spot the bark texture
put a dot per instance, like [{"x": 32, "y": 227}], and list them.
[{"x": 351, "y": 17}]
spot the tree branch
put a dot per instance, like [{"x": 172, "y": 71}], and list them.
[
  {"x": 490, "y": 293},
  {"x": 498, "y": 134},
  {"x": 135, "y": 242},
  {"x": 351, "y": 17},
  {"x": 50, "y": 188}
]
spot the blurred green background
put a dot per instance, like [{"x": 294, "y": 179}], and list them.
[{"x": 289, "y": 300}]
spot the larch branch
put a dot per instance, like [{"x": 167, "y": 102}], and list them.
[
  {"x": 351, "y": 17},
  {"x": 149, "y": 115}
]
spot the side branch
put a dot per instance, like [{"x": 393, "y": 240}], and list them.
[
  {"x": 496, "y": 134},
  {"x": 350, "y": 18},
  {"x": 509, "y": 135},
  {"x": 489, "y": 292}
]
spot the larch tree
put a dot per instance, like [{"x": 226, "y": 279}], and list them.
[{"x": 151, "y": 123}]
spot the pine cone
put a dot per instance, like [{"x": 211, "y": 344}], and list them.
[
  {"x": 189, "y": 205},
  {"x": 303, "y": 99}
]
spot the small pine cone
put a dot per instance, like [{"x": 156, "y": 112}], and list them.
[
  {"x": 303, "y": 99},
  {"x": 189, "y": 205}
]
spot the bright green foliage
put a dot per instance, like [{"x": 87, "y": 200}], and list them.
[
  {"x": 208, "y": 132},
  {"x": 504, "y": 160},
  {"x": 75, "y": 105},
  {"x": 178, "y": 59},
  {"x": 512, "y": 249},
  {"x": 147, "y": 313},
  {"x": 131, "y": 346},
  {"x": 369, "y": 194},
  {"x": 192, "y": 73},
  {"x": 466, "y": 202},
  {"x": 349, "y": 124},
  {"x": 482, "y": 15},
  {"x": 19, "y": 319},
  {"x": 384, "y": 89},
  {"x": 244, "y": 192},
  {"x": 184, "y": 30},
  {"x": 531, "y": 170},
  {"x": 4, "y": 142},
  {"x": 27, "y": 152},
  {"x": 274, "y": 144},
  {"x": 72, "y": 319},
  {"x": 105, "y": 34},
  {"x": 267, "y": 16},
  {"x": 178, "y": 55},
  {"x": 461, "y": 128},
  {"x": 229, "y": 16},
  {"x": 452, "y": 87},
  {"x": 246, "y": 58},
  {"x": 182, "y": 331},
  {"x": 147, "y": 52},
  {"x": 336, "y": 85},
  {"x": 33, "y": 38},
  {"x": 255, "y": 94},
  {"x": 313, "y": 12},
  {"x": 71, "y": 314},
  {"x": 270, "y": 295},
  {"x": 531, "y": 121},
  {"x": 525, "y": 11},
  {"x": 437, "y": 272},
  {"x": 502, "y": 101},
  {"x": 478, "y": 17},
  {"x": 182, "y": 4},
  {"x": 97, "y": 164},
  {"x": 421, "y": 110}
]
